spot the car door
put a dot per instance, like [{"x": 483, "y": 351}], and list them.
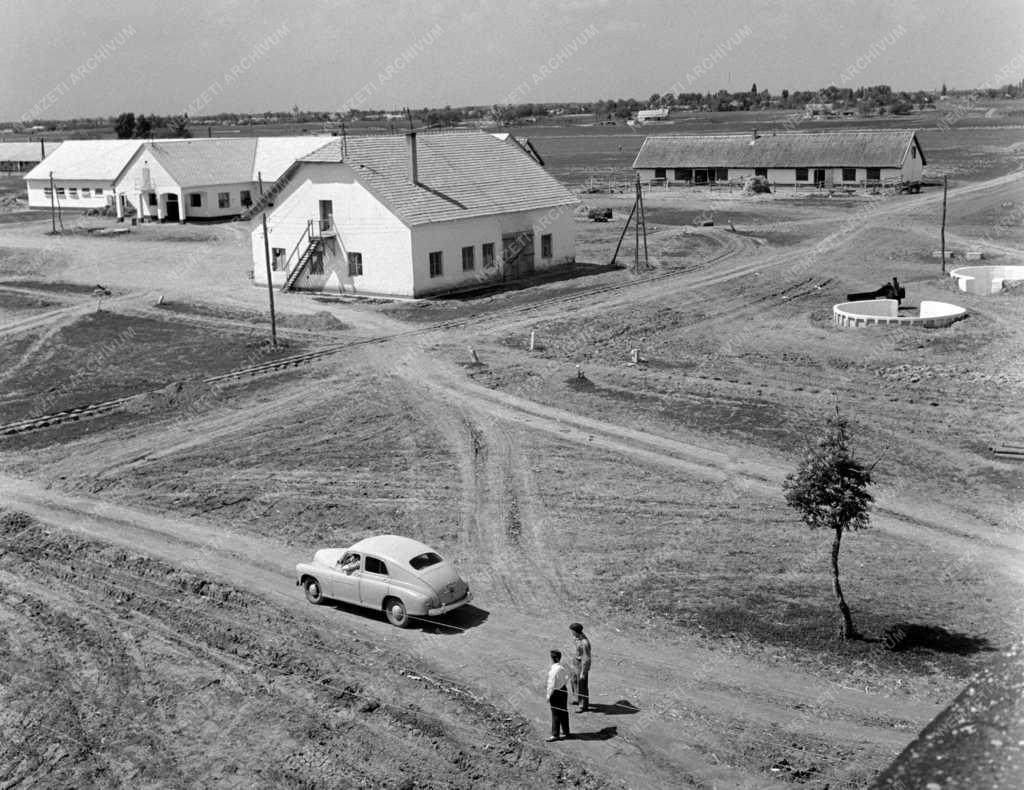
[
  {"x": 373, "y": 583},
  {"x": 344, "y": 582}
]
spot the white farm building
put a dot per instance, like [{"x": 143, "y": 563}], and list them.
[
  {"x": 792, "y": 158},
  {"x": 165, "y": 180},
  {"x": 413, "y": 215}
]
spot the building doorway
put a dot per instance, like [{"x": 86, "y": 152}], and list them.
[
  {"x": 819, "y": 177},
  {"x": 172, "y": 214},
  {"x": 326, "y": 215},
  {"x": 517, "y": 254}
]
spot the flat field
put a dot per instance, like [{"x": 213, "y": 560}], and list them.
[{"x": 146, "y": 557}]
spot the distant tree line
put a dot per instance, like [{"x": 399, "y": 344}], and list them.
[{"x": 128, "y": 125}]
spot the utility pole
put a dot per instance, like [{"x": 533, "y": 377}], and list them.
[
  {"x": 53, "y": 208},
  {"x": 945, "y": 186},
  {"x": 266, "y": 258}
]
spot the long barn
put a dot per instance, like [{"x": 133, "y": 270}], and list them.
[{"x": 789, "y": 158}]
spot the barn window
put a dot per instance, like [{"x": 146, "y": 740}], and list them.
[
  {"x": 245, "y": 197},
  {"x": 223, "y": 199},
  {"x": 487, "y": 253},
  {"x": 849, "y": 174},
  {"x": 874, "y": 174},
  {"x": 373, "y": 565},
  {"x": 436, "y": 264},
  {"x": 545, "y": 245},
  {"x": 195, "y": 199},
  {"x": 684, "y": 174},
  {"x": 279, "y": 255},
  {"x": 803, "y": 174},
  {"x": 468, "y": 259},
  {"x": 355, "y": 264},
  {"x": 761, "y": 171}
]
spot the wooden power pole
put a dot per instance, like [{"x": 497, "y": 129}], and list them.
[
  {"x": 266, "y": 258},
  {"x": 640, "y": 228},
  {"x": 942, "y": 233}
]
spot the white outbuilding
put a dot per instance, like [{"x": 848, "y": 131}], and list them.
[
  {"x": 413, "y": 215},
  {"x": 82, "y": 173}
]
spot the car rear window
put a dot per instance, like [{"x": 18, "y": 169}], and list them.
[{"x": 421, "y": 561}]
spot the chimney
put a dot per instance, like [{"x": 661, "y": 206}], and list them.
[{"x": 414, "y": 173}]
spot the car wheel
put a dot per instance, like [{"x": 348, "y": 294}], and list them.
[
  {"x": 314, "y": 593},
  {"x": 395, "y": 610}
]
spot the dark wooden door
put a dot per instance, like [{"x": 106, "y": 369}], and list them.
[
  {"x": 819, "y": 177},
  {"x": 172, "y": 214},
  {"x": 517, "y": 254}
]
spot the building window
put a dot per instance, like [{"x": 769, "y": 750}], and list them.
[
  {"x": 98, "y": 192},
  {"x": 355, "y": 264},
  {"x": 73, "y": 193},
  {"x": 152, "y": 198},
  {"x": 60, "y": 192},
  {"x": 223, "y": 199},
  {"x": 722, "y": 173},
  {"x": 761, "y": 171},
  {"x": 659, "y": 172},
  {"x": 684, "y": 174},
  {"x": 487, "y": 253},
  {"x": 279, "y": 254},
  {"x": 47, "y": 192},
  {"x": 85, "y": 192},
  {"x": 849, "y": 174},
  {"x": 195, "y": 199},
  {"x": 436, "y": 264},
  {"x": 874, "y": 174},
  {"x": 545, "y": 246},
  {"x": 803, "y": 174},
  {"x": 468, "y": 259},
  {"x": 245, "y": 198},
  {"x": 913, "y": 152}
]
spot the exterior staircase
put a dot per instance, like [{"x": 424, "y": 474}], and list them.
[
  {"x": 316, "y": 245},
  {"x": 316, "y": 231}
]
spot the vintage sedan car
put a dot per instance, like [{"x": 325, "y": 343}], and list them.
[{"x": 400, "y": 576}]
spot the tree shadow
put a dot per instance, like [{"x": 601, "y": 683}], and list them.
[
  {"x": 902, "y": 637},
  {"x": 623, "y": 706},
  {"x": 603, "y": 734}
]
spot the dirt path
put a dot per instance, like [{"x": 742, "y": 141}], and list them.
[{"x": 688, "y": 700}]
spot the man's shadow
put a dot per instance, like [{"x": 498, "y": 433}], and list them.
[
  {"x": 604, "y": 734},
  {"x": 619, "y": 708}
]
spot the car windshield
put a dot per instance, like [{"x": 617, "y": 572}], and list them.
[{"x": 421, "y": 561}]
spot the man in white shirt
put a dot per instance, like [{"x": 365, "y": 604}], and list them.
[{"x": 558, "y": 696}]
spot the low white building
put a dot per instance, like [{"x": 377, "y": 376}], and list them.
[
  {"x": 206, "y": 178},
  {"x": 413, "y": 215},
  {"x": 83, "y": 174},
  {"x": 822, "y": 159},
  {"x": 659, "y": 114}
]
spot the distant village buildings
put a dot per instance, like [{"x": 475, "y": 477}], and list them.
[{"x": 790, "y": 158}]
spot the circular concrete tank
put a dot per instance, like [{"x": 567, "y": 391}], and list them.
[
  {"x": 985, "y": 280},
  {"x": 886, "y": 311}
]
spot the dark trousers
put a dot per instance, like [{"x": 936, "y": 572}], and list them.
[
  {"x": 559, "y": 702},
  {"x": 583, "y": 688}
]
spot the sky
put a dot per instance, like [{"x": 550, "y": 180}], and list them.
[{"x": 73, "y": 58}]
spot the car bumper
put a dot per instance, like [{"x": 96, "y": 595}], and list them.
[{"x": 450, "y": 606}]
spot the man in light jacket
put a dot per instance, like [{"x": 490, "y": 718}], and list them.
[{"x": 558, "y": 697}]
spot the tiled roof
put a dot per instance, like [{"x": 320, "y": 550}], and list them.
[
  {"x": 202, "y": 162},
  {"x": 274, "y": 155},
  {"x": 87, "y": 160},
  {"x": 788, "y": 149},
  {"x": 460, "y": 175},
  {"x": 26, "y": 152}
]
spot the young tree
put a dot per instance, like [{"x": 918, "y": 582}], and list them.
[
  {"x": 143, "y": 127},
  {"x": 124, "y": 126},
  {"x": 179, "y": 126},
  {"x": 829, "y": 490}
]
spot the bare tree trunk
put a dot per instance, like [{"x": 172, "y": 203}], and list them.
[{"x": 847, "y": 631}]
